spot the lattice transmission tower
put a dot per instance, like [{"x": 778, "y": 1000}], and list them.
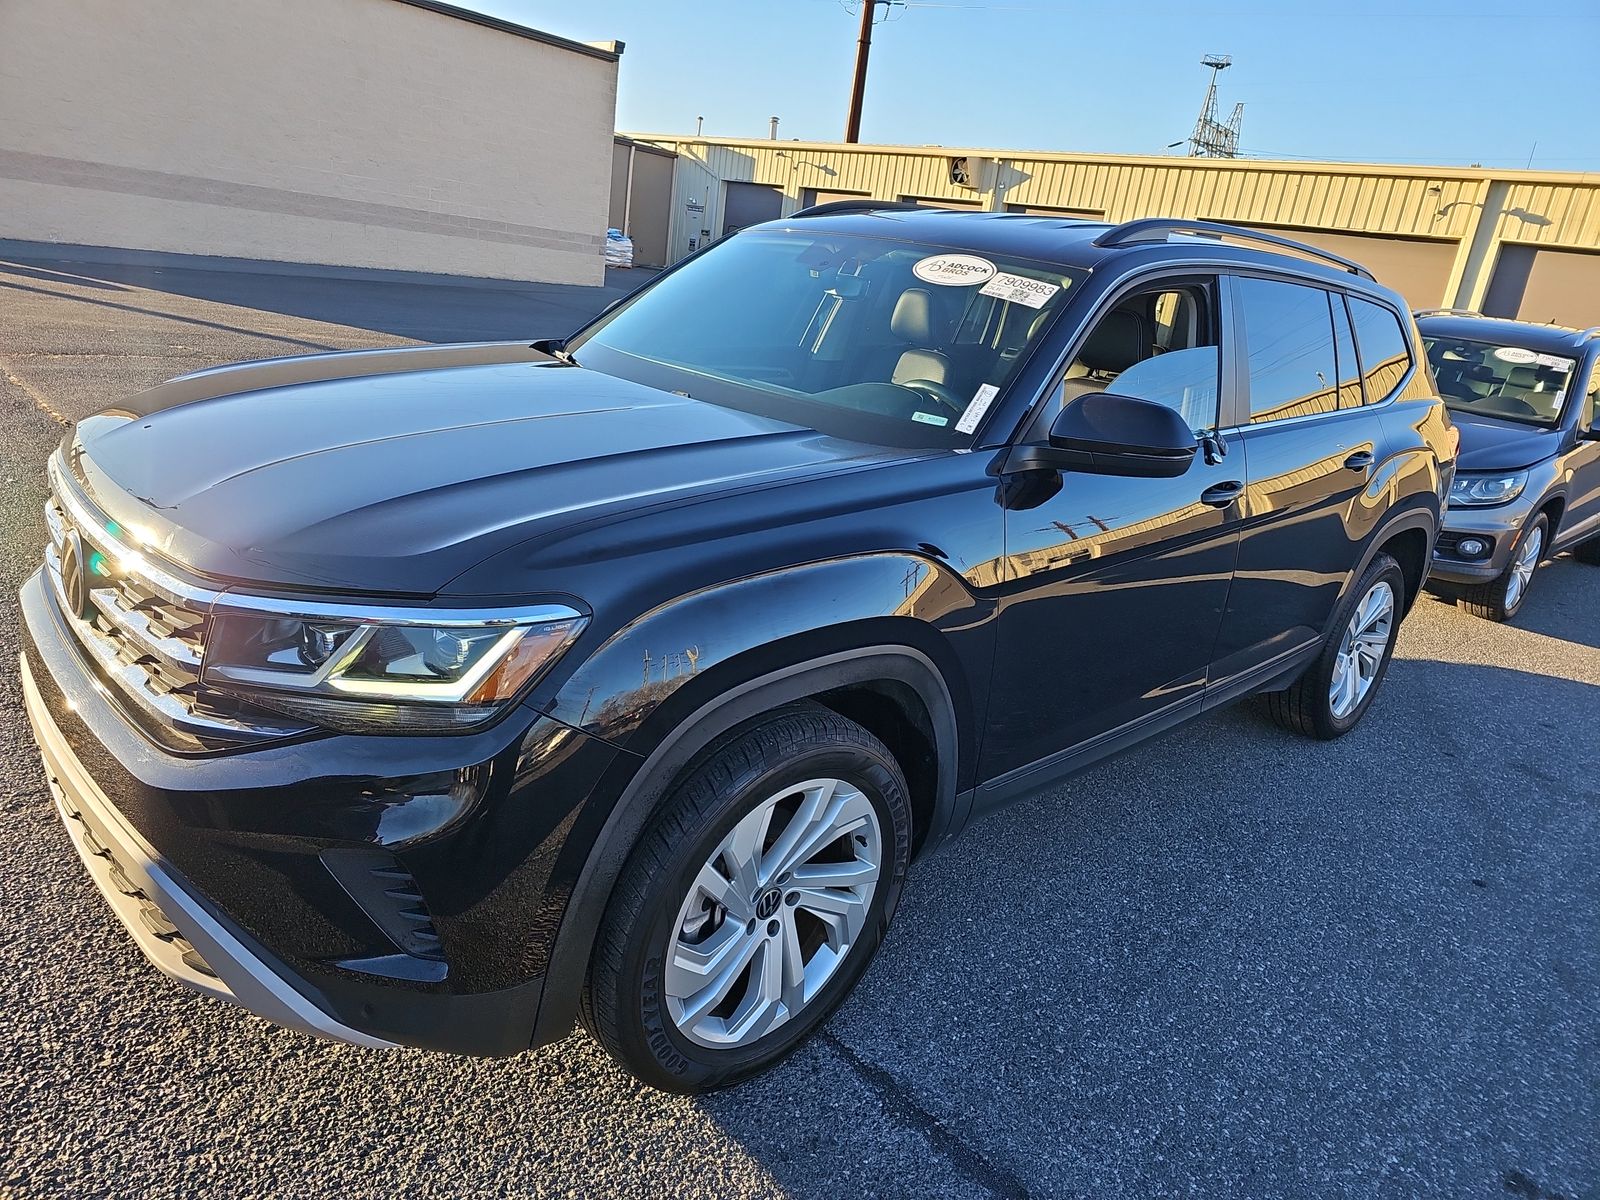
[{"x": 1211, "y": 138}]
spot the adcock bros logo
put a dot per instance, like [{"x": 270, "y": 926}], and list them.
[{"x": 75, "y": 576}]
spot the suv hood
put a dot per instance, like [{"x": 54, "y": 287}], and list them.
[
  {"x": 396, "y": 482},
  {"x": 1491, "y": 444}
]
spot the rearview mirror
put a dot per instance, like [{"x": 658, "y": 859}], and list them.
[{"x": 1103, "y": 433}]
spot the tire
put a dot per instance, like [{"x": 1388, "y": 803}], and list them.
[
  {"x": 645, "y": 1005},
  {"x": 1308, "y": 706},
  {"x": 1502, "y": 597}
]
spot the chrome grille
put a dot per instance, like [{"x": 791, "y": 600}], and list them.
[{"x": 145, "y": 629}]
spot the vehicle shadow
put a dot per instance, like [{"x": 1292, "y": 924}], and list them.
[
  {"x": 1561, "y": 603},
  {"x": 426, "y": 308},
  {"x": 1237, "y": 961}
]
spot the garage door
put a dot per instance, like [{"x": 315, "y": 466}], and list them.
[
  {"x": 943, "y": 202},
  {"x": 814, "y": 196},
  {"x": 1545, "y": 285},
  {"x": 1045, "y": 210},
  {"x": 749, "y": 204},
  {"x": 1417, "y": 268}
]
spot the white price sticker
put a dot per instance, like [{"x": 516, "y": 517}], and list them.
[
  {"x": 1019, "y": 289},
  {"x": 975, "y": 410}
]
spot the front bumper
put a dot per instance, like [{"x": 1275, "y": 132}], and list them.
[
  {"x": 154, "y": 902},
  {"x": 1499, "y": 526},
  {"x": 249, "y": 874}
]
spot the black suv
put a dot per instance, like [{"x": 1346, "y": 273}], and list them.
[
  {"x": 1527, "y": 401},
  {"x": 441, "y": 696}
]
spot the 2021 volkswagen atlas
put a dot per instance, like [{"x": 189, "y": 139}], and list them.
[{"x": 439, "y": 696}]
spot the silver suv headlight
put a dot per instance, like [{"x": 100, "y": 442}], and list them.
[
  {"x": 382, "y": 670},
  {"x": 1481, "y": 491}
]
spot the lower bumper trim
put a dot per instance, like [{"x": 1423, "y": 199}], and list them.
[{"x": 179, "y": 937}]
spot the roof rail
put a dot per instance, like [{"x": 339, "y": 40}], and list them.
[
  {"x": 1154, "y": 229},
  {"x": 1447, "y": 312},
  {"x": 865, "y": 204},
  {"x": 1592, "y": 332}
]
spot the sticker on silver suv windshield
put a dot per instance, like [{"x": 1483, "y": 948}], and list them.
[
  {"x": 954, "y": 270},
  {"x": 979, "y": 405},
  {"x": 1019, "y": 289},
  {"x": 1514, "y": 354}
]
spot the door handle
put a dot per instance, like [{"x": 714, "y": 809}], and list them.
[
  {"x": 1221, "y": 495},
  {"x": 1360, "y": 460}
]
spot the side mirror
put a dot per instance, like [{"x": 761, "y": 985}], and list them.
[{"x": 1103, "y": 433}]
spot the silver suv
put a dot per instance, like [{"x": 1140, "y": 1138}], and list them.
[{"x": 1527, "y": 485}]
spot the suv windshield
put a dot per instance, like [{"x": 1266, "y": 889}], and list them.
[
  {"x": 878, "y": 340},
  {"x": 1509, "y": 382}
]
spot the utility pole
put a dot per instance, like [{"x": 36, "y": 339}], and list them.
[{"x": 858, "y": 89}]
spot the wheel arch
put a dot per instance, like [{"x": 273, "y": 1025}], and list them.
[
  {"x": 843, "y": 681},
  {"x": 1408, "y": 537}
]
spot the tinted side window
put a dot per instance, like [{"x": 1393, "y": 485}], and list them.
[
  {"x": 1589, "y": 417},
  {"x": 1288, "y": 334},
  {"x": 1158, "y": 344},
  {"x": 1345, "y": 346},
  {"x": 1382, "y": 344}
]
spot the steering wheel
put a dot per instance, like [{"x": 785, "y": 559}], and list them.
[
  {"x": 1514, "y": 404},
  {"x": 938, "y": 392}
]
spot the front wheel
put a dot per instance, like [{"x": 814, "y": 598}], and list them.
[
  {"x": 1338, "y": 688},
  {"x": 1501, "y": 597},
  {"x": 753, "y": 902}
]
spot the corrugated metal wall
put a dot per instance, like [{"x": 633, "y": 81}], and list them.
[{"x": 1469, "y": 214}]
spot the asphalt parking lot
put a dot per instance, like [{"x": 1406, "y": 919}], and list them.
[{"x": 1233, "y": 963}]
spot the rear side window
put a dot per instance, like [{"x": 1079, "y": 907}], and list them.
[
  {"x": 1381, "y": 342},
  {"x": 1344, "y": 343},
  {"x": 1288, "y": 334}
]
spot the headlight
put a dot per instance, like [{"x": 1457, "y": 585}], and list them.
[
  {"x": 383, "y": 671},
  {"x": 1478, "y": 491}
]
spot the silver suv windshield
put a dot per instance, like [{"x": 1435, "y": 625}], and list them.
[
  {"x": 1509, "y": 382},
  {"x": 885, "y": 341}
]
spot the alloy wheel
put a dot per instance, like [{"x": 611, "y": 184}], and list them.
[
  {"x": 773, "y": 913},
  {"x": 1361, "y": 650},
  {"x": 1522, "y": 567}
]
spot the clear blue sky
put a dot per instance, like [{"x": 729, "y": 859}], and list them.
[{"x": 1432, "y": 81}]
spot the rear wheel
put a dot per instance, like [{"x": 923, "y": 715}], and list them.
[
  {"x": 753, "y": 903},
  {"x": 1501, "y": 597},
  {"x": 1337, "y": 689}
]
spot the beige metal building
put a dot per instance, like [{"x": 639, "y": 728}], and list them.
[
  {"x": 1511, "y": 243},
  {"x": 377, "y": 133}
]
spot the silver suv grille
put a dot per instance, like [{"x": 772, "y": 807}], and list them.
[{"x": 142, "y": 627}]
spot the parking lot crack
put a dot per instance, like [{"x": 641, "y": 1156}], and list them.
[
  {"x": 31, "y": 392},
  {"x": 899, "y": 1102}
]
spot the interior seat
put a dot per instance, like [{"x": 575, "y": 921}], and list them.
[
  {"x": 912, "y": 321},
  {"x": 1122, "y": 338}
]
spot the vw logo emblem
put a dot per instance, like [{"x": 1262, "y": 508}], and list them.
[
  {"x": 767, "y": 903},
  {"x": 75, "y": 577}
]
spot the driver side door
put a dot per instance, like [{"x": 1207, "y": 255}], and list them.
[{"x": 1114, "y": 588}]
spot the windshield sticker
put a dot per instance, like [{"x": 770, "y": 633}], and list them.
[
  {"x": 930, "y": 418},
  {"x": 1556, "y": 361},
  {"x": 1019, "y": 289},
  {"x": 1515, "y": 354},
  {"x": 954, "y": 270},
  {"x": 975, "y": 410}
]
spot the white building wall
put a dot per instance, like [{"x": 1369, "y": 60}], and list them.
[{"x": 352, "y": 132}]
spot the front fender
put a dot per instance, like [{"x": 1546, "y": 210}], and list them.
[{"x": 655, "y": 672}]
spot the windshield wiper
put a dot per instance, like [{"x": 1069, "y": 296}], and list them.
[{"x": 556, "y": 348}]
